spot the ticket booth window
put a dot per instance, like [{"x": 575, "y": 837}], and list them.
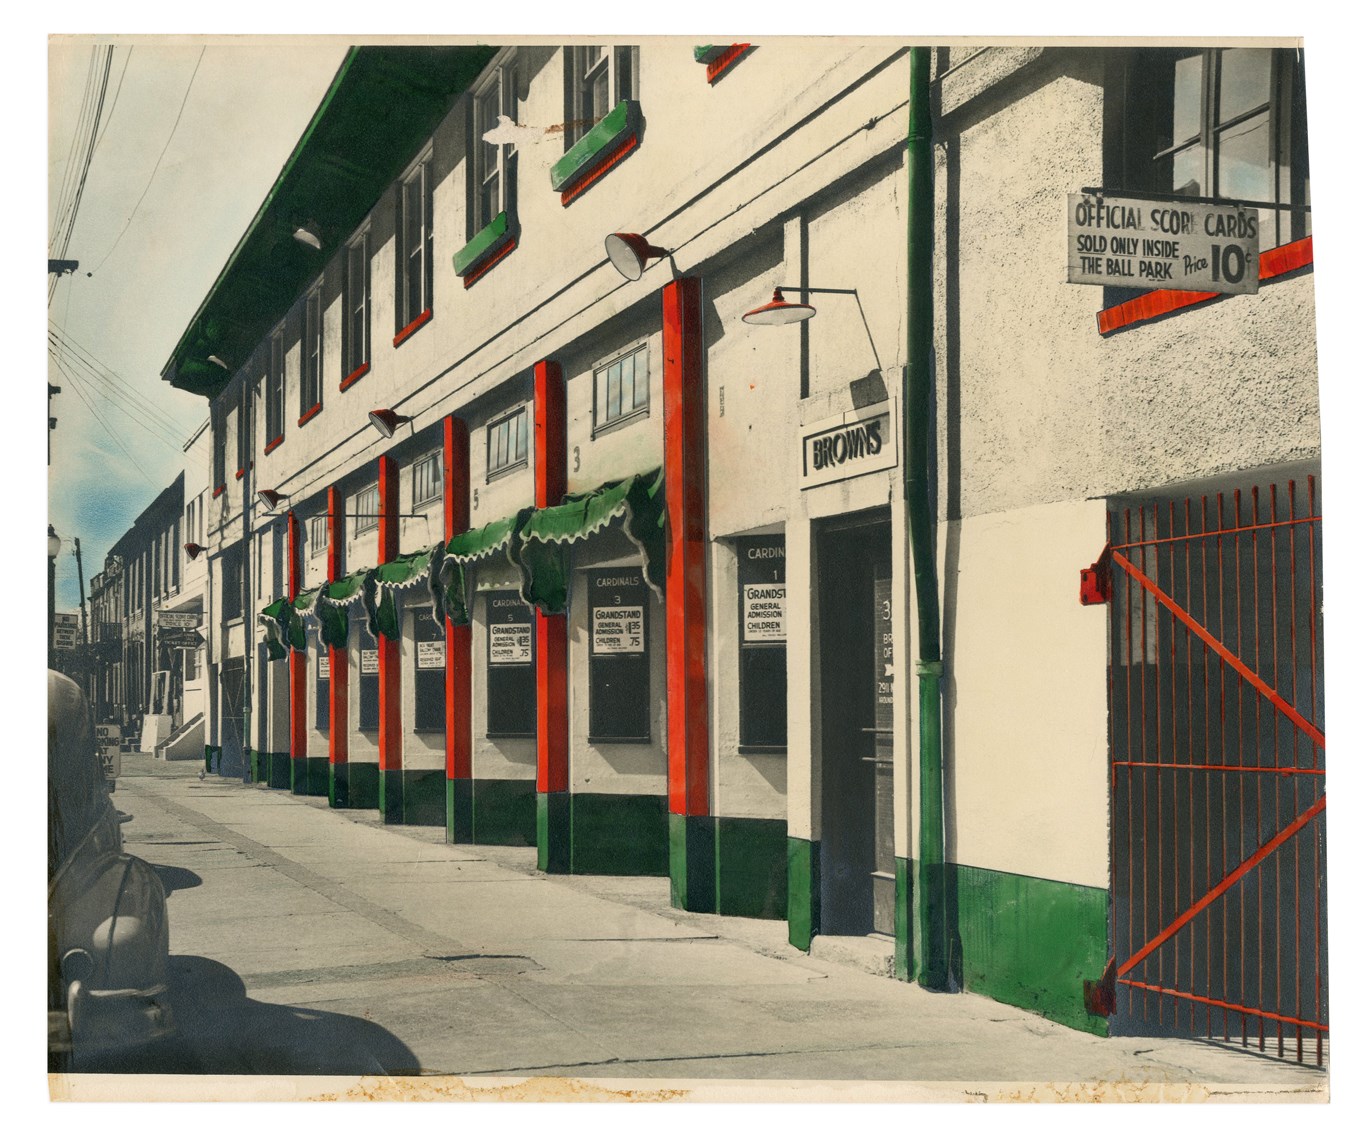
[
  {"x": 368, "y": 680},
  {"x": 429, "y": 671},
  {"x": 763, "y": 644},
  {"x": 619, "y": 661},
  {"x": 510, "y": 666},
  {"x": 321, "y": 691}
]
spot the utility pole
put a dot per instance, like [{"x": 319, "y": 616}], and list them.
[
  {"x": 84, "y": 621},
  {"x": 51, "y": 422}
]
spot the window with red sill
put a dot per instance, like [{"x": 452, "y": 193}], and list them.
[
  {"x": 274, "y": 393},
  {"x": 311, "y": 357},
  {"x": 413, "y": 279},
  {"x": 1225, "y": 123},
  {"x": 356, "y": 309}
]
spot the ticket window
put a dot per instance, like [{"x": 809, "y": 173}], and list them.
[
  {"x": 763, "y": 644},
  {"x": 368, "y": 677},
  {"x": 510, "y": 666},
  {"x": 619, "y": 661},
  {"x": 428, "y": 672},
  {"x": 321, "y": 682}
]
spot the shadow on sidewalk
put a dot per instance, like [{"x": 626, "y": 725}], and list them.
[{"x": 223, "y": 1031}]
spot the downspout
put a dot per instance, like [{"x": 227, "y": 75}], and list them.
[
  {"x": 246, "y": 463},
  {"x": 932, "y": 950}
]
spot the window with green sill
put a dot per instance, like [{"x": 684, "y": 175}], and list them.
[{"x": 597, "y": 77}]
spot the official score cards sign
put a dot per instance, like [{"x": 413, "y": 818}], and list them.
[{"x": 1191, "y": 247}]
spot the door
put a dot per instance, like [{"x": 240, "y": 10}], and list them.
[
  {"x": 232, "y": 718},
  {"x": 858, "y": 830},
  {"x": 1218, "y": 764}
]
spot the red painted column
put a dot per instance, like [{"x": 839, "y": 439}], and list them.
[
  {"x": 337, "y": 657},
  {"x": 552, "y": 780},
  {"x": 390, "y": 657},
  {"x": 458, "y": 645},
  {"x": 299, "y": 702},
  {"x": 686, "y": 596}
]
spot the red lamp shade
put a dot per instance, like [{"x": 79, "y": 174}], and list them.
[
  {"x": 778, "y": 312},
  {"x": 387, "y": 421},
  {"x": 630, "y": 252},
  {"x": 193, "y": 550}
]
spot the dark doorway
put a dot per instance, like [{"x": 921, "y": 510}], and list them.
[
  {"x": 232, "y": 718},
  {"x": 858, "y": 829}
]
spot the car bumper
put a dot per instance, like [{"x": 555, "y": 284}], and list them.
[{"x": 109, "y": 1019}]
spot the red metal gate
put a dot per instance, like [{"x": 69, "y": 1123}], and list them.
[{"x": 1218, "y": 823}]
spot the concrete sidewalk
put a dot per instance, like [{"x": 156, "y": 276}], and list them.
[{"x": 471, "y": 964}]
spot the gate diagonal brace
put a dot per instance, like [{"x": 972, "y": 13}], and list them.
[
  {"x": 1094, "y": 583},
  {"x": 1099, "y": 995}
]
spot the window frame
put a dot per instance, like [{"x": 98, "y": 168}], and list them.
[
  {"x": 316, "y": 528},
  {"x": 356, "y": 309},
  {"x": 620, "y": 62},
  {"x": 604, "y": 368},
  {"x": 518, "y": 460},
  {"x": 410, "y": 315},
  {"x": 366, "y": 520},
  {"x": 501, "y": 79},
  {"x": 434, "y": 461},
  {"x": 311, "y": 355},
  {"x": 274, "y": 391}
]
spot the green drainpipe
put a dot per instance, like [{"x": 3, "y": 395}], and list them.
[{"x": 932, "y": 915}]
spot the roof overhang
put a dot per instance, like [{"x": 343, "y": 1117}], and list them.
[{"x": 380, "y": 109}]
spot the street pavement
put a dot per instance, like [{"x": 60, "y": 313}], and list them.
[{"x": 313, "y": 943}]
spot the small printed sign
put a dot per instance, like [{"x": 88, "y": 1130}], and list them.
[
  {"x": 849, "y": 445},
  {"x": 323, "y": 665},
  {"x": 1189, "y": 246},
  {"x": 179, "y": 619},
  {"x": 430, "y": 654},
  {"x": 764, "y": 613},
  {"x": 370, "y": 661},
  {"x": 510, "y": 630},
  {"x": 618, "y": 612}
]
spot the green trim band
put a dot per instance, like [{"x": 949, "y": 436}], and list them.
[
  {"x": 595, "y": 145},
  {"x": 504, "y": 812},
  {"x": 424, "y": 797},
  {"x": 279, "y": 771},
  {"x": 391, "y": 796},
  {"x": 309, "y": 776},
  {"x": 363, "y": 784},
  {"x": 693, "y": 866},
  {"x": 553, "y": 832},
  {"x": 803, "y": 891},
  {"x": 751, "y": 871},
  {"x": 619, "y": 834},
  {"x": 484, "y": 243}
]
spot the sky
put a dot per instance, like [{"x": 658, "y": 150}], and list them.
[{"x": 191, "y": 136}]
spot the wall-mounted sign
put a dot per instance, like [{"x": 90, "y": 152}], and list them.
[
  {"x": 510, "y": 630},
  {"x": 428, "y": 640},
  {"x": 761, "y": 569},
  {"x": 618, "y": 613},
  {"x": 167, "y": 619},
  {"x": 1133, "y": 243},
  {"x": 849, "y": 445},
  {"x": 323, "y": 664}
]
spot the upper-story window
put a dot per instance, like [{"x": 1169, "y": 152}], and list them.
[
  {"x": 1220, "y": 122},
  {"x": 492, "y": 177},
  {"x": 426, "y": 479},
  {"x": 622, "y": 391},
  {"x": 274, "y": 390},
  {"x": 356, "y": 307},
  {"x": 241, "y": 417},
  {"x": 311, "y": 356},
  {"x": 366, "y": 509},
  {"x": 318, "y": 534},
  {"x": 598, "y": 78},
  {"x": 218, "y": 427},
  {"x": 414, "y": 244},
  {"x": 508, "y": 442}
]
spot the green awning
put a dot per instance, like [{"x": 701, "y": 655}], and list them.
[
  {"x": 638, "y": 502},
  {"x": 285, "y": 628},
  {"x": 400, "y": 575},
  {"x": 451, "y": 586}
]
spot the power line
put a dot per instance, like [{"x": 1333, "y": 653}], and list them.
[
  {"x": 76, "y": 387},
  {"x": 68, "y": 176},
  {"x": 84, "y": 173},
  {"x": 153, "y": 172},
  {"x": 99, "y": 140}
]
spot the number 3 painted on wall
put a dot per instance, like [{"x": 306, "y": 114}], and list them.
[{"x": 576, "y": 459}]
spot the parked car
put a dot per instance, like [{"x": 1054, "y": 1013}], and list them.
[{"x": 107, "y": 925}]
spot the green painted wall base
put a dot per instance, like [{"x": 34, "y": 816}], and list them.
[
  {"x": 906, "y": 967},
  {"x": 279, "y": 771},
  {"x": 553, "y": 831},
  {"x": 693, "y": 862},
  {"x": 504, "y": 812},
  {"x": 459, "y": 810},
  {"x": 391, "y": 796},
  {"x": 619, "y": 834},
  {"x": 1022, "y": 940},
  {"x": 338, "y": 795},
  {"x": 751, "y": 870},
  {"x": 363, "y": 785},
  {"x": 259, "y": 766},
  {"x": 309, "y": 776},
  {"x": 424, "y": 797},
  {"x": 211, "y": 755},
  {"x": 803, "y": 891}
]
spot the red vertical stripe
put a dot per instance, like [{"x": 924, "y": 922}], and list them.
[
  {"x": 550, "y": 483},
  {"x": 337, "y": 656},
  {"x": 391, "y": 687},
  {"x": 299, "y": 707},
  {"x": 458, "y": 640},
  {"x": 686, "y": 511}
]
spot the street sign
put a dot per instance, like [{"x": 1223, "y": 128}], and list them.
[
  {"x": 109, "y": 737},
  {"x": 1189, "y": 246},
  {"x": 179, "y": 619},
  {"x": 180, "y": 637},
  {"x": 65, "y": 631}
]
